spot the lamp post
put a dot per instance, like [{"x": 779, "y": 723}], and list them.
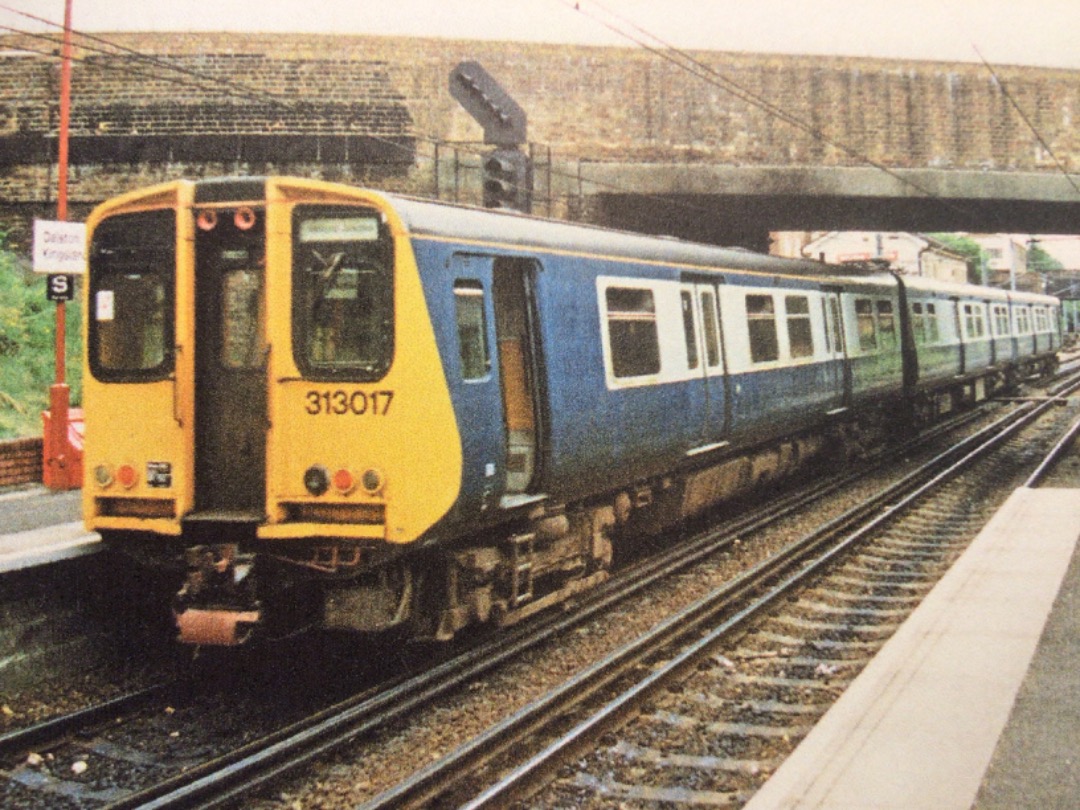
[{"x": 60, "y": 471}]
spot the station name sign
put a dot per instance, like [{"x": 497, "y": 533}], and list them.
[{"x": 59, "y": 247}]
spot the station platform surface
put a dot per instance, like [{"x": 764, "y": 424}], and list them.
[
  {"x": 38, "y": 526},
  {"x": 975, "y": 701}
]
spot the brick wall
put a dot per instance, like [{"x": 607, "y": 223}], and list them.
[
  {"x": 20, "y": 462},
  {"x": 386, "y": 99}
]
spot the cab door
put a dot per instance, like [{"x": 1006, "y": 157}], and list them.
[{"x": 230, "y": 365}]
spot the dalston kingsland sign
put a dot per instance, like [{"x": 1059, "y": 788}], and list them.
[{"x": 59, "y": 247}]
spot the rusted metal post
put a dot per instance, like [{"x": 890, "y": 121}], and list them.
[{"x": 59, "y": 470}]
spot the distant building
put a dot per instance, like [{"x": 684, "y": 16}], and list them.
[
  {"x": 910, "y": 254},
  {"x": 1006, "y": 261}
]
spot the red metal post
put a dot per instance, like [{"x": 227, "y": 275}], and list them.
[{"x": 59, "y": 469}]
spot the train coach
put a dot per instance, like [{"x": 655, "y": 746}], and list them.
[{"x": 309, "y": 403}]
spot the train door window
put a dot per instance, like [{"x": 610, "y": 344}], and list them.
[
  {"x": 242, "y": 320},
  {"x": 343, "y": 293},
  {"x": 832, "y": 321},
  {"x": 864, "y": 317},
  {"x": 1041, "y": 322},
  {"x": 632, "y": 331},
  {"x": 918, "y": 323},
  {"x": 886, "y": 324},
  {"x": 761, "y": 321},
  {"x": 689, "y": 329},
  {"x": 132, "y": 261},
  {"x": 712, "y": 328},
  {"x": 800, "y": 335},
  {"x": 933, "y": 328},
  {"x": 472, "y": 330}
]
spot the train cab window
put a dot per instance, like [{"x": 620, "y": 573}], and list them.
[
  {"x": 472, "y": 330},
  {"x": 800, "y": 335},
  {"x": 689, "y": 329},
  {"x": 132, "y": 266},
  {"x": 632, "y": 331},
  {"x": 343, "y": 293},
  {"x": 761, "y": 321},
  {"x": 864, "y": 317}
]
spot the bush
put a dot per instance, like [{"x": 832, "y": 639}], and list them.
[{"x": 27, "y": 335}]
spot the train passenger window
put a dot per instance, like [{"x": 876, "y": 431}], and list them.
[
  {"x": 689, "y": 329},
  {"x": 800, "y": 336},
  {"x": 712, "y": 329},
  {"x": 132, "y": 264},
  {"x": 761, "y": 320},
  {"x": 632, "y": 331},
  {"x": 886, "y": 324},
  {"x": 864, "y": 316},
  {"x": 472, "y": 330},
  {"x": 998, "y": 320},
  {"x": 343, "y": 292}
]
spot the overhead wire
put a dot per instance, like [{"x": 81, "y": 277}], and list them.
[
  {"x": 701, "y": 70},
  {"x": 203, "y": 81}
]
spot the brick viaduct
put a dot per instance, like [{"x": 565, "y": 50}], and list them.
[{"x": 619, "y": 136}]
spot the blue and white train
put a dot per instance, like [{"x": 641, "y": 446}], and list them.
[{"x": 401, "y": 413}]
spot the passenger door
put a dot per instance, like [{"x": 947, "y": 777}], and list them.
[{"x": 498, "y": 391}]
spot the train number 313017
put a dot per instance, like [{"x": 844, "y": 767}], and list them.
[{"x": 342, "y": 403}]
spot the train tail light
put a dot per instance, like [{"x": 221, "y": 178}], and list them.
[
  {"x": 126, "y": 475},
  {"x": 344, "y": 481}
]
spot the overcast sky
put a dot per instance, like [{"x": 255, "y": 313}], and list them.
[{"x": 1034, "y": 32}]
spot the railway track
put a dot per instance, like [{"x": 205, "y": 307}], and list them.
[
  {"x": 216, "y": 779},
  {"x": 704, "y": 708}
]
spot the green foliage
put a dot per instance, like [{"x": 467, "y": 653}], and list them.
[
  {"x": 27, "y": 335},
  {"x": 969, "y": 249},
  {"x": 1040, "y": 261}
]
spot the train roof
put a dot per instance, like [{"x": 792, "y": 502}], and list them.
[{"x": 458, "y": 222}]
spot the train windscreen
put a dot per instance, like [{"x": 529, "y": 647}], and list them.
[
  {"x": 132, "y": 267},
  {"x": 343, "y": 293}
]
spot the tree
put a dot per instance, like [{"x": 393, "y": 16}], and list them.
[{"x": 967, "y": 247}]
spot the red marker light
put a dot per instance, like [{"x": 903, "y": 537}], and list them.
[{"x": 126, "y": 475}]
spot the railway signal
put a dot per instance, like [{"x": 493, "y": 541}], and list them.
[
  {"x": 507, "y": 171},
  {"x": 507, "y": 180}
]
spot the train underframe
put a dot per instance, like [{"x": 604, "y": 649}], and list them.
[{"x": 542, "y": 556}]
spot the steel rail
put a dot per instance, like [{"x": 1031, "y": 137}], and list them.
[
  {"x": 853, "y": 526},
  {"x": 261, "y": 761}
]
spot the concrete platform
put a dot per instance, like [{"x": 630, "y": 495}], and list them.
[
  {"x": 39, "y": 527},
  {"x": 918, "y": 729}
]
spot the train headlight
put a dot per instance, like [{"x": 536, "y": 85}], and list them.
[
  {"x": 316, "y": 479},
  {"x": 244, "y": 218},
  {"x": 103, "y": 475},
  {"x": 127, "y": 475},
  {"x": 372, "y": 480},
  {"x": 344, "y": 481},
  {"x": 207, "y": 219}
]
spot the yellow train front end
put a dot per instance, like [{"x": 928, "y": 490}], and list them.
[{"x": 266, "y": 411}]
